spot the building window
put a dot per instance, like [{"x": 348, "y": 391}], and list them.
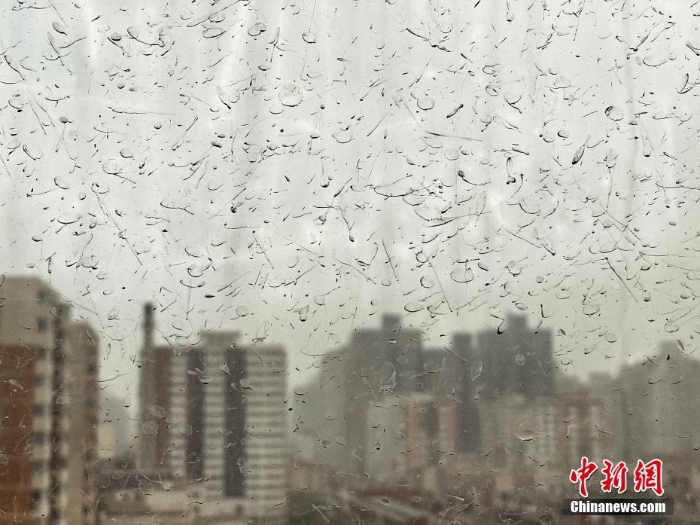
[{"x": 35, "y": 499}]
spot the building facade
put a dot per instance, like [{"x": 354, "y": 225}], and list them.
[
  {"x": 215, "y": 425},
  {"x": 48, "y": 407}
]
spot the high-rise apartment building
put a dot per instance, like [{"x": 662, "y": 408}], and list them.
[
  {"x": 48, "y": 407},
  {"x": 546, "y": 434},
  {"x": 514, "y": 359},
  {"x": 155, "y": 378},
  {"x": 408, "y": 436},
  {"x": 333, "y": 408},
  {"x": 660, "y": 405},
  {"x": 216, "y": 424},
  {"x": 245, "y": 429}
]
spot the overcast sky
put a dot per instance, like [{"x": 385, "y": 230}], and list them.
[{"x": 293, "y": 169}]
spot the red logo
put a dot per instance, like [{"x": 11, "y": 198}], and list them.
[
  {"x": 582, "y": 474},
  {"x": 646, "y": 476},
  {"x": 615, "y": 476}
]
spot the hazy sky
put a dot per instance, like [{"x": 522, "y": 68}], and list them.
[{"x": 292, "y": 169}]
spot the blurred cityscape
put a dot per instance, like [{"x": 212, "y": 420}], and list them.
[{"x": 387, "y": 431}]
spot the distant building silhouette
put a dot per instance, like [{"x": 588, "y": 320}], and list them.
[
  {"x": 516, "y": 361},
  {"x": 376, "y": 363},
  {"x": 513, "y": 360},
  {"x": 48, "y": 407},
  {"x": 213, "y": 420},
  {"x": 409, "y": 437},
  {"x": 336, "y": 408},
  {"x": 661, "y": 405}
]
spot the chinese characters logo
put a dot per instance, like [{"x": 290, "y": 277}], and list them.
[{"x": 646, "y": 476}]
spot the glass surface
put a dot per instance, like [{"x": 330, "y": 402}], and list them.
[{"x": 307, "y": 262}]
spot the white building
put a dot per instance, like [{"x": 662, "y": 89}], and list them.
[
  {"x": 245, "y": 447},
  {"x": 221, "y": 428}
]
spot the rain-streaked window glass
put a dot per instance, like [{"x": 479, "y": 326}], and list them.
[{"x": 388, "y": 262}]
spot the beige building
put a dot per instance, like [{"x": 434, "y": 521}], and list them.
[
  {"x": 48, "y": 407},
  {"x": 546, "y": 436},
  {"x": 411, "y": 439},
  {"x": 130, "y": 506}
]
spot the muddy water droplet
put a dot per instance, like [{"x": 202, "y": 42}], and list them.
[
  {"x": 591, "y": 309},
  {"x": 610, "y": 159},
  {"x": 413, "y": 307},
  {"x": 111, "y": 167},
  {"x": 17, "y": 103},
  {"x": 387, "y": 380},
  {"x": 15, "y": 385},
  {"x": 276, "y": 108},
  {"x": 614, "y": 113},
  {"x": 257, "y": 29},
  {"x": 217, "y": 17},
  {"x": 520, "y": 359},
  {"x": 289, "y": 95},
  {"x": 59, "y": 28},
  {"x": 514, "y": 268},
  {"x": 610, "y": 337},
  {"x": 303, "y": 313},
  {"x": 578, "y": 155},
  {"x": 158, "y": 411},
  {"x": 671, "y": 326},
  {"x": 309, "y": 37},
  {"x": 527, "y": 434},
  {"x": 242, "y": 311},
  {"x": 149, "y": 428},
  {"x": 4, "y": 460},
  {"x": 476, "y": 369},
  {"x": 343, "y": 136},
  {"x": 69, "y": 218},
  {"x": 462, "y": 275},
  {"x": 113, "y": 314},
  {"x": 426, "y": 103}
]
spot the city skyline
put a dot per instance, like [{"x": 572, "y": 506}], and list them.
[
  {"x": 385, "y": 262},
  {"x": 298, "y": 377},
  {"x": 215, "y": 418}
]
